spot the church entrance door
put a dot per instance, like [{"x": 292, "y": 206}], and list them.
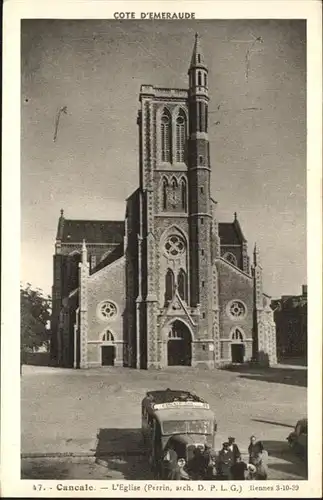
[
  {"x": 107, "y": 355},
  {"x": 179, "y": 346},
  {"x": 237, "y": 353}
]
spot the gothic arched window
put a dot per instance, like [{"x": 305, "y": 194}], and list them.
[
  {"x": 237, "y": 335},
  {"x": 166, "y": 137},
  {"x": 230, "y": 258},
  {"x": 205, "y": 80},
  {"x": 180, "y": 137},
  {"x": 165, "y": 186},
  {"x": 107, "y": 336},
  {"x": 184, "y": 195},
  {"x": 169, "y": 285},
  {"x": 173, "y": 197},
  {"x": 200, "y": 116},
  {"x": 182, "y": 284},
  {"x": 199, "y": 78}
]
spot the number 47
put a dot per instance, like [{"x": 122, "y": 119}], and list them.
[{"x": 37, "y": 487}]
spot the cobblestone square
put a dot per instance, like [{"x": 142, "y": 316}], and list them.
[{"x": 86, "y": 424}]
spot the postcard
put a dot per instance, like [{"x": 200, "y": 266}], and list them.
[{"x": 161, "y": 272}]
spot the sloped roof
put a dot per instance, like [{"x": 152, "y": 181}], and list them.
[
  {"x": 228, "y": 234},
  {"x": 112, "y": 257},
  {"x": 92, "y": 231},
  {"x": 231, "y": 233}
]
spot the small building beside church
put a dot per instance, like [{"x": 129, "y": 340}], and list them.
[
  {"x": 169, "y": 285},
  {"x": 290, "y": 315}
]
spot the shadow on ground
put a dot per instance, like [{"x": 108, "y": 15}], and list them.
[
  {"x": 287, "y": 468},
  {"x": 293, "y": 463},
  {"x": 271, "y": 422},
  {"x": 121, "y": 450},
  {"x": 277, "y": 375},
  {"x": 293, "y": 361},
  {"x": 44, "y": 469}
]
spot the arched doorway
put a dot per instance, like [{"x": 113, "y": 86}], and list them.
[
  {"x": 237, "y": 346},
  {"x": 108, "y": 350},
  {"x": 179, "y": 345}
]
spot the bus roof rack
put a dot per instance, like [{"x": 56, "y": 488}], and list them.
[{"x": 171, "y": 395}]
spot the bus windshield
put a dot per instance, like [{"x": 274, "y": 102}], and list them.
[{"x": 187, "y": 427}]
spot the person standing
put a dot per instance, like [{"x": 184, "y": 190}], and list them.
[
  {"x": 170, "y": 465},
  {"x": 211, "y": 470},
  {"x": 234, "y": 448},
  {"x": 197, "y": 464},
  {"x": 182, "y": 474},
  {"x": 225, "y": 462},
  {"x": 261, "y": 462},
  {"x": 238, "y": 470},
  {"x": 252, "y": 449}
]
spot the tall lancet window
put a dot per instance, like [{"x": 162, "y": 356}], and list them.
[
  {"x": 169, "y": 285},
  {"x": 164, "y": 195},
  {"x": 173, "y": 199},
  {"x": 184, "y": 195},
  {"x": 180, "y": 137},
  {"x": 166, "y": 137},
  {"x": 182, "y": 284}
]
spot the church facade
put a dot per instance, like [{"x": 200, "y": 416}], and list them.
[{"x": 170, "y": 285}]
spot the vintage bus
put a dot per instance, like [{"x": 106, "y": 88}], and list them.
[{"x": 180, "y": 419}]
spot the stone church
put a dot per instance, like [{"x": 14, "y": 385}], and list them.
[{"x": 169, "y": 285}]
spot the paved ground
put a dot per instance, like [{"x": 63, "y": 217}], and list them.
[{"x": 86, "y": 415}]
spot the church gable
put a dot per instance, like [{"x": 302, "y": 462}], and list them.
[
  {"x": 229, "y": 234},
  {"x": 106, "y": 295},
  {"x": 177, "y": 307},
  {"x": 109, "y": 271},
  {"x": 234, "y": 283},
  {"x": 233, "y": 245}
]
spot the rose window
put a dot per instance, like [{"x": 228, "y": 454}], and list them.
[
  {"x": 174, "y": 246},
  {"x": 108, "y": 310},
  {"x": 237, "y": 309}
]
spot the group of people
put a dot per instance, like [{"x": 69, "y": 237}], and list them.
[{"x": 227, "y": 464}]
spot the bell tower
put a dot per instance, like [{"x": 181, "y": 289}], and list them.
[{"x": 200, "y": 218}]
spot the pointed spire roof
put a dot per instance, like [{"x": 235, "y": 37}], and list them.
[
  {"x": 198, "y": 59},
  {"x": 84, "y": 252},
  {"x": 60, "y": 227},
  {"x": 237, "y": 227}
]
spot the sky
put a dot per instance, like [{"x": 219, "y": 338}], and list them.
[{"x": 96, "y": 68}]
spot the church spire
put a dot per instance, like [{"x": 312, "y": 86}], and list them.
[
  {"x": 197, "y": 60},
  {"x": 84, "y": 252},
  {"x": 256, "y": 256},
  {"x": 198, "y": 74}
]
